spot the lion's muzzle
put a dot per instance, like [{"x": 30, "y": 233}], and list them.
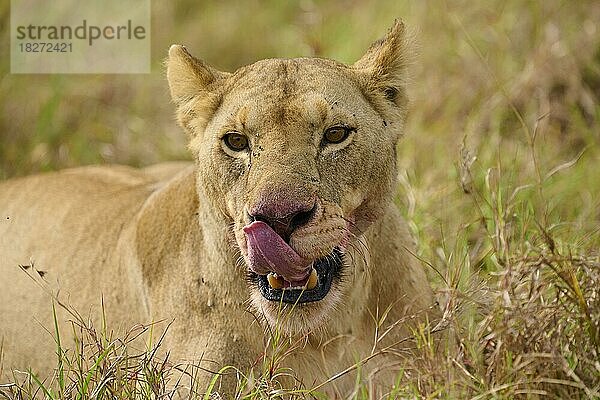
[{"x": 269, "y": 253}]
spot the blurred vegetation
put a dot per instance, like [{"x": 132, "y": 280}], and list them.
[{"x": 499, "y": 165}]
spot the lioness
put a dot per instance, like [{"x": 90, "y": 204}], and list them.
[{"x": 287, "y": 212}]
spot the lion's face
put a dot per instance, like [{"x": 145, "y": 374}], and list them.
[{"x": 299, "y": 156}]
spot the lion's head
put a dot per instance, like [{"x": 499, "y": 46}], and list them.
[{"x": 299, "y": 157}]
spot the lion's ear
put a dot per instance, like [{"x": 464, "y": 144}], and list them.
[
  {"x": 188, "y": 76},
  {"x": 384, "y": 65},
  {"x": 194, "y": 87}
]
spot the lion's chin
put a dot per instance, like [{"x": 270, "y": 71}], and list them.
[
  {"x": 300, "y": 310},
  {"x": 293, "y": 319}
]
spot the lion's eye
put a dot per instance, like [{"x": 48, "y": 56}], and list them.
[
  {"x": 236, "y": 141},
  {"x": 336, "y": 134}
]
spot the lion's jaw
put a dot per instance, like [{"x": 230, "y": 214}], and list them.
[
  {"x": 298, "y": 156},
  {"x": 318, "y": 247}
]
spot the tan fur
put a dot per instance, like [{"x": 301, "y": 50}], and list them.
[{"x": 166, "y": 242}]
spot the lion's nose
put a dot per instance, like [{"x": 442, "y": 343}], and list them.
[{"x": 284, "y": 218}]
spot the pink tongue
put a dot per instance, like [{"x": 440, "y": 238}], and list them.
[{"x": 268, "y": 252}]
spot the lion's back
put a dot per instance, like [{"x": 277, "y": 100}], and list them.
[{"x": 67, "y": 225}]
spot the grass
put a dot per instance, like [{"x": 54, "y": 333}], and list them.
[{"x": 498, "y": 182}]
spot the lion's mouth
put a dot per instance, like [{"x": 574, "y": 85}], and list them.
[{"x": 327, "y": 270}]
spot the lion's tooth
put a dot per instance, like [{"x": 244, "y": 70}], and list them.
[
  {"x": 312, "y": 280},
  {"x": 275, "y": 281}
]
